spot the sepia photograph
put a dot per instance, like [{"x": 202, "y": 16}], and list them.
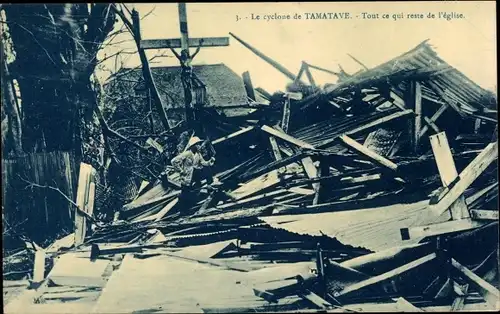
[{"x": 271, "y": 157}]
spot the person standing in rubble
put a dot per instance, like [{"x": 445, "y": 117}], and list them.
[{"x": 192, "y": 169}]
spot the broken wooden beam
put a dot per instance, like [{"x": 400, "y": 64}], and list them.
[
  {"x": 275, "y": 148},
  {"x": 366, "y": 152},
  {"x": 247, "y": 81},
  {"x": 286, "y": 137},
  {"x": 417, "y": 108},
  {"x": 433, "y": 119},
  {"x": 273, "y": 63},
  {"x": 461, "y": 292},
  {"x": 466, "y": 178},
  {"x": 385, "y": 276},
  {"x": 237, "y": 133},
  {"x": 285, "y": 120},
  {"x": 484, "y": 214},
  {"x": 448, "y": 172},
  {"x": 316, "y": 300},
  {"x": 439, "y": 228},
  {"x": 86, "y": 190},
  {"x": 487, "y": 291},
  {"x": 404, "y": 306}
]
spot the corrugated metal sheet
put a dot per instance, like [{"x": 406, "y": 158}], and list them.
[{"x": 375, "y": 229}]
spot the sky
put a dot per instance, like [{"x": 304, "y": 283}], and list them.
[{"x": 468, "y": 44}]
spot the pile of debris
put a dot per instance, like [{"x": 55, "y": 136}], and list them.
[{"x": 369, "y": 194}]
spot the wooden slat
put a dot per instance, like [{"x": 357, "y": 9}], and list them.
[
  {"x": 364, "y": 151},
  {"x": 440, "y": 228},
  {"x": 416, "y": 94},
  {"x": 224, "y": 138},
  {"x": 82, "y": 200},
  {"x": 434, "y": 117},
  {"x": 404, "y": 306},
  {"x": 431, "y": 124},
  {"x": 286, "y": 137},
  {"x": 275, "y": 148},
  {"x": 312, "y": 297},
  {"x": 311, "y": 171},
  {"x": 176, "y": 43},
  {"x": 459, "y": 302},
  {"x": 448, "y": 172},
  {"x": 484, "y": 214},
  {"x": 467, "y": 177},
  {"x": 247, "y": 81},
  {"x": 385, "y": 276},
  {"x": 39, "y": 266},
  {"x": 398, "y": 101},
  {"x": 487, "y": 291},
  {"x": 285, "y": 120}
]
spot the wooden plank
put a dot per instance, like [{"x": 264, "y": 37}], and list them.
[
  {"x": 434, "y": 117},
  {"x": 166, "y": 209},
  {"x": 484, "y": 214},
  {"x": 431, "y": 124},
  {"x": 487, "y": 291},
  {"x": 417, "y": 95},
  {"x": 385, "y": 276},
  {"x": 82, "y": 200},
  {"x": 311, "y": 171},
  {"x": 467, "y": 177},
  {"x": 275, "y": 148},
  {"x": 247, "y": 81},
  {"x": 318, "y": 301},
  {"x": 39, "y": 266},
  {"x": 364, "y": 151},
  {"x": 477, "y": 125},
  {"x": 285, "y": 120},
  {"x": 404, "y": 306},
  {"x": 310, "y": 76},
  {"x": 237, "y": 133},
  {"x": 440, "y": 228},
  {"x": 324, "y": 170},
  {"x": 176, "y": 42},
  {"x": 444, "y": 158},
  {"x": 398, "y": 101},
  {"x": 471, "y": 199},
  {"x": 286, "y": 137},
  {"x": 459, "y": 302}
]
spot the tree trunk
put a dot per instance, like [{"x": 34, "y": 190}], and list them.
[
  {"x": 56, "y": 47},
  {"x": 14, "y": 130}
]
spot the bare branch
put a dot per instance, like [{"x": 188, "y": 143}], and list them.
[{"x": 33, "y": 184}]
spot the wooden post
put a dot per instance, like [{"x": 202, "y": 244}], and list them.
[
  {"x": 477, "y": 125},
  {"x": 448, "y": 172},
  {"x": 418, "y": 113},
  {"x": 286, "y": 115},
  {"x": 84, "y": 200},
  {"x": 414, "y": 102},
  {"x": 324, "y": 170},
  {"x": 247, "y": 81}
]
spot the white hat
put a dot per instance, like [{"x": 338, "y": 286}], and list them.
[{"x": 193, "y": 141}]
